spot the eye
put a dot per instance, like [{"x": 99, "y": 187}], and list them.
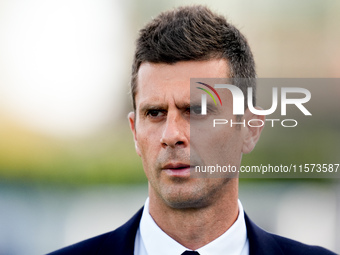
[
  {"x": 195, "y": 109},
  {"x": 155, "y": 113}
]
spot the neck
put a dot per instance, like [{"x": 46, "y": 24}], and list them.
[{"x": 196, "y": 227}]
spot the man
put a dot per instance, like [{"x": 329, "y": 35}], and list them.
[{"x": 186, "y": 215}]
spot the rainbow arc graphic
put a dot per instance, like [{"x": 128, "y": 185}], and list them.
[{"x": 209, "y": 93}]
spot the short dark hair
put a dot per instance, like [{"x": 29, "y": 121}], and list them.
[{"x": 193, "y": 33}]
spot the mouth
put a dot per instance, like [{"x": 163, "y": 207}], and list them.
[{"x": 177, "y": 169}]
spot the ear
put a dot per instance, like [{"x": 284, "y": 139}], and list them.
[
  {"x": 252, "y": 131},
  {"x": 132, "y": 122}
]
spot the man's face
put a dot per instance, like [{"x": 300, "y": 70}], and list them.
[{"x": 161, "y": 128}]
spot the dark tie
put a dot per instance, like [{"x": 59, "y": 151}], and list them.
[{"x": 190, "y": 253}]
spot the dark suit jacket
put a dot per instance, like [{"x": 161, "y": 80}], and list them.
[{"x": 121, "y": 242}]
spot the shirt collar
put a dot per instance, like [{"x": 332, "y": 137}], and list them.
[{"x": 156, "y": 241}]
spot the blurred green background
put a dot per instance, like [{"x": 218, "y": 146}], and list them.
[{"x": 49, "y": 104}]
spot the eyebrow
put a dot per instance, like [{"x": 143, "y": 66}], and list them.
[
  {"x": 183, "y": 105},
  {"x": 147, "y": 107},
  {"x": 161, "y": 106}
]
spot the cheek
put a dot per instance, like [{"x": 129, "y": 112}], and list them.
[
  {"x": 144, "y": 146},
  {"x": 148, "y": 147},
  {"x": 224, "y": 143},
  {"x": 223, "y": 146}
]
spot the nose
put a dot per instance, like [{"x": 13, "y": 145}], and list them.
[{"x": 176, "y": 131}]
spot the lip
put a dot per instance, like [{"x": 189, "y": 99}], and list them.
[{"x": 177, "y": 169}]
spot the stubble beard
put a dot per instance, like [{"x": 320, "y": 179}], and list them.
[{"x": 183, "y": 194}]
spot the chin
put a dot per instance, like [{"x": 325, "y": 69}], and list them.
[{"x": 181, "y": 201}]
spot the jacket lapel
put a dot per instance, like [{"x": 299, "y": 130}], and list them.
[
  {"x": 261, "y": 242},
  {"x": 122, "y": 240}
]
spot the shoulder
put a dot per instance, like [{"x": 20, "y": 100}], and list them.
[
  {"x": 264, "y": 243},
  {"x": 119, "y": 241},
  {"x": 89, "y": 246},
  {"x": 289, "y": 246}
]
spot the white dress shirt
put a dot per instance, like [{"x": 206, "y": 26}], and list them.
[{"x": 152, "y": 240}]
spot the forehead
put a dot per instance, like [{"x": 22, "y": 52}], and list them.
[{"x": 159, "y": 82}]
